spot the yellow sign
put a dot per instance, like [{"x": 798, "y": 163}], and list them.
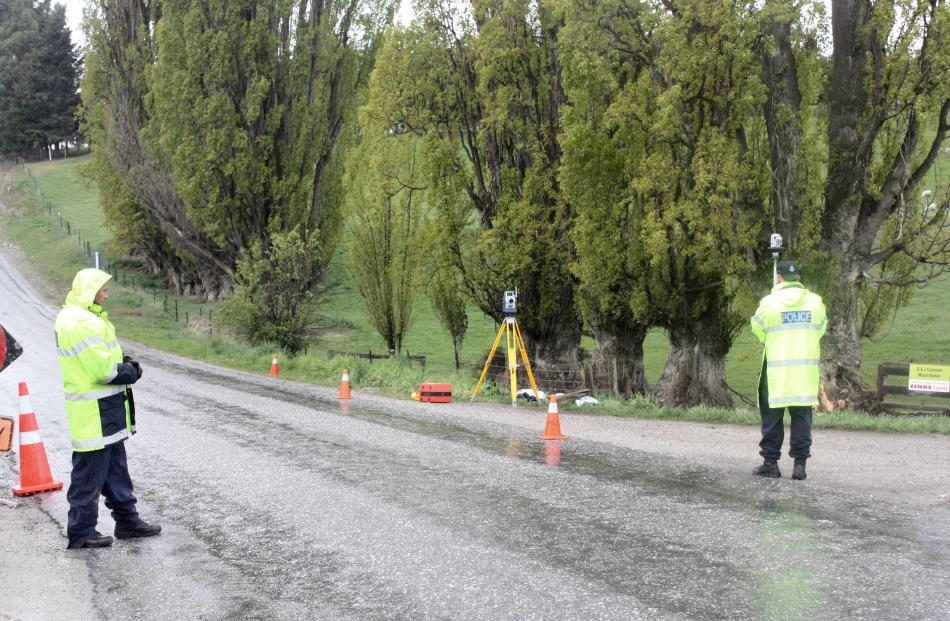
[
  {"x": 6, "y": 434},
  {"x": 928, "y": 378}
]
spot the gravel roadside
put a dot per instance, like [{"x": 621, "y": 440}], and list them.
[{"x": 39, "y": 579}]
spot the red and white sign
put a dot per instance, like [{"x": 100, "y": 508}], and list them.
[
  {"x": 929, "y": 386},
  {"x": 928, "y": 378}
]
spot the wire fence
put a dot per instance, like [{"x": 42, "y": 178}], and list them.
[
  {"x": 173, "y": 308},
  {"x": 369, "y": 355},
  {"x": 95, "y": 257},
  {"x": 588, "y": 376}
]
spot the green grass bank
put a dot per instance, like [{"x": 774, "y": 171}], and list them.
[{"x": 181, "y": 325}]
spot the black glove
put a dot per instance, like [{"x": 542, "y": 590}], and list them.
[{"x": 135, "y": 365}]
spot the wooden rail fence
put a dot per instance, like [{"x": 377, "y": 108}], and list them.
[
  {"x": 902, "y": 369},
  {"x": 369, "y": 355}
]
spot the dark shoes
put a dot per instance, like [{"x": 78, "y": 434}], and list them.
[
  {"x": 799, "y": 472},
  {"x": 96, "y": 540},
  {"x": 140, "y": 530},
  {"x": 768, "y": 469}
]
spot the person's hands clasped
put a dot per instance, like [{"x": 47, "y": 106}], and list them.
[{"x": 135, "y": 365}]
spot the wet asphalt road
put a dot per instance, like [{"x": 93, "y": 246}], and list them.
[{"x": 279, "y": 503}]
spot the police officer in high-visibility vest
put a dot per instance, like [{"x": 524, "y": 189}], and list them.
[
  {"x": 95, "y": 379},
  {"x": 790, "y": 321}
]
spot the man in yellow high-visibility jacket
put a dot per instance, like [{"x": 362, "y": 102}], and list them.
[
  {"x": 95, "y": 378},
  {"x": 790, "y": 321}
]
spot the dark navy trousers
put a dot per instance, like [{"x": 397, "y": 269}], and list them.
[
  {"x": 105, "y": 472},
  {"x": 773, "y": 427}
]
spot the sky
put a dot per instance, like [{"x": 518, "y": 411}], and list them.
[
  {"x": 74, "y": 16},
  {"x": 74, "y": 19}
]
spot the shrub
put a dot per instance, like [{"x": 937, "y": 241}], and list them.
[{"x": 275, "y": 291}]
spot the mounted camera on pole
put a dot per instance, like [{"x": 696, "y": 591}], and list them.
[
  {"x": 775, "y": 246},
  {"x": 515, "y": 345}
]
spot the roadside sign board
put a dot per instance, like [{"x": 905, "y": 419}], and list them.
[
  {"x": 6, "y": 434},
  {"x": 928, "y": 378}
]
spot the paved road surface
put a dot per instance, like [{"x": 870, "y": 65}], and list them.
[{"x": 279, "y": 503}]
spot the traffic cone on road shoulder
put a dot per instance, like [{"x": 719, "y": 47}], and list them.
[
  {"x": 344, "y": 385},
  {"x": 274, "y": 368},
  {"x": 552, "y": 428},
  {"x": 35, "y": 475}
]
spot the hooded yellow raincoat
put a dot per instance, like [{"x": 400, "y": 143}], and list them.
[{"x": 94, "y": 375}]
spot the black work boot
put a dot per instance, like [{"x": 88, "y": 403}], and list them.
[
  {"x": 96, "y": 540},
  {"x": 139, "y": 530},
  {"x": 769, "y": 469},
  {"x": 799, "y": 472}
]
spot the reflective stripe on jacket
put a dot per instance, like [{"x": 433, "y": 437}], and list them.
[
  {"x": 790, "y": 321},
  {"x": 94, "y": 376}
]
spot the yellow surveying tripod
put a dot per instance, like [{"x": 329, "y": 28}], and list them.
[{"x": 515, "y": 343}]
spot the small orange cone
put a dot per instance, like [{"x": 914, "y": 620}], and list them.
[
  {"x": 35, "y": 476},
  {"x": 344, "y": 385},
  {"x": 274, "y": 369},
  {"x": 552, "y": 429}
]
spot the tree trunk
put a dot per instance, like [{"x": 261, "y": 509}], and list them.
[
  {"x": 552, "y": 345},
  {"x": 695, "y": 372},
  {"x": 552, "y": 349},
  {"x": 850, "y": 138},
  {"x": 842, "y": 384},
  {"x": 782, "y": 110},
  {"x": 625, "y": 345},
  {"x": 458, "y": 355}
]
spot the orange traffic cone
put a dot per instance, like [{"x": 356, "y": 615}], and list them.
[
  {"x": 274, "y": 369},
  {"x": 35, "y": 476},
  {"x": 552, "y": 429},
  {"x": 344, "y": 385}
]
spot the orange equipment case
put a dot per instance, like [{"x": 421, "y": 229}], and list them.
[{"x": 435, "y": 393}]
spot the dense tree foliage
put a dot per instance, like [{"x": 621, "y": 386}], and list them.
[
  {"x": 39, "y": 77},
  {"x": 274, "y": 298},
  {"x": 226, "y": 122},
  {"x": 481, "y": 89},
  {"x": 666, "y": 166}
]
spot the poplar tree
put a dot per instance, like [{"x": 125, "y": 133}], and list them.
[
  {"x": 883, "y": 227},
  {"x": 664, "y": 162},
  {"x": 479, "y": 86},
  {"x": 228, "y": 121},
  {"x": 387, "y": 230}
]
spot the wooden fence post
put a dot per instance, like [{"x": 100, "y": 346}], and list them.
[{"x": 616, "y": 383}]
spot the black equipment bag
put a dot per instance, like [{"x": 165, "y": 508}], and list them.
[{"x": 10, "y": 350}]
